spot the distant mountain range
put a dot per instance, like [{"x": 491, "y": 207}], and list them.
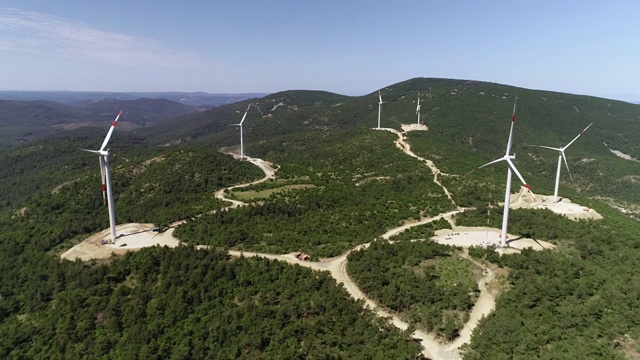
[
  {"x": 26, "y": 116},
  {"x": 199, "y": 99}
]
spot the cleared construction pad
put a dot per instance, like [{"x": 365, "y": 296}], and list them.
[
  {"x": 524, "y": 200},
  {"x": 414, "y": 127},
  {"x": 490, "y": 237},
  {"x": 486, "y": 237},
  {"x": 130, "y": 237}
]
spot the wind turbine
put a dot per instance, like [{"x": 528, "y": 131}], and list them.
[
  {"x": 560, "y": 158},
  {"x": 418, "y": 110},
  {"x": 507, "y": 194},
  {"x": 241, "y": 132},
  {"x": 379, "y": 107},
  {"x": 103, "y": 156}
]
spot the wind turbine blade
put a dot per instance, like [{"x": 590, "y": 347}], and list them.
[
  {"x": 576, "y": 138},
  {"x": 106, "y": 139},
  {"x": 91, "y": 151},
  {"x": 380, "y": 97},
  {"x": 513, "y": 168},
  {"x": 513, "y": 120},
  {"x": 245, "y": 114},
  {"x": 548, "y": 147},
  {"x": 487, "y": 164},
  {"x": 567, "y": 165}
]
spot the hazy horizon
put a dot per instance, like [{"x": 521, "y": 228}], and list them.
[{"x": 348, "y": 48}]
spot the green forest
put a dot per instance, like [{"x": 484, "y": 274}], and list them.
[
  {"x": 184, "y": 303},
  {"x": 425, "y": 282},
  {"x": 339, "y": 184},
  {"x": 357, "y": 194}
]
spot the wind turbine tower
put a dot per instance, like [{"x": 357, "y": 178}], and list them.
[
  {"x": 418, "y": 110},
  {"x": 510, "y": 167},
  {"x": 380, "y": 102},
  {"x": 241, "y": 133},
  {"x": 560, "y": 158},
  {"x": 105, "y": 171}
]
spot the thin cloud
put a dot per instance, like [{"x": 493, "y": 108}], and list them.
[{"x": 44, "y": 34}]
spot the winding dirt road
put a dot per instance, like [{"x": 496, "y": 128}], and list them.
[
  {"x": 402, "y": 144},
  {"x": 269, "y": 173},
  {"x": 337, "y": 267}
]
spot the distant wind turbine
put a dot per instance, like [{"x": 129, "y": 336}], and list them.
[
  {"x": 418, "y": 110},
  {"x": 507, "y": 194},
  {"x": 379, "y": 107},
  {"x": 560, "y": 158},
  {"x": 241, "y": 133},
  {"x": 103, "y": 156}
]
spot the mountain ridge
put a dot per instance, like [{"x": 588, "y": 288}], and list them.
[{"x": 196, "y": 98}]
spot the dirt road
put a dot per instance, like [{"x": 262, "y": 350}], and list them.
[
  {"x": 433, "y": 348},
  {"x": 269, "y": 173},
  {"x": 135, "y": 236},
  {"x": 402, "y": 144},
  {"x": 337, "y": 266}
]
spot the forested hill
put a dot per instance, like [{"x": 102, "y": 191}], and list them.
[
  {"x": 472, "y": 114},
  {"x": 198, "y": 99},
  {"x": 24, "y": 122},
  {"x": 468, "y": 125},
  {"x": 340, "y": 184},
  {"x": 143, "y": 111},
  {"x": 159, "y": 302},
  {"x": 194, "y": 304}
]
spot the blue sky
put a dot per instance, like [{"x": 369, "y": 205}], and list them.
[{"x": 348, "y": 47}]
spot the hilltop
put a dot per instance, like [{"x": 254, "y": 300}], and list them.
[{"x": 468, "y": 125}]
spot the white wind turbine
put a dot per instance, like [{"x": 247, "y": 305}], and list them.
[
  {"x": 560, "y": 158},
  {"x": 241, "y": 133},
  {"x": 418, "y": 110},
  {"x": 507, "y": 194},
  {"x": 103, "y": 156},
  {"x": 380, "y": 102}
]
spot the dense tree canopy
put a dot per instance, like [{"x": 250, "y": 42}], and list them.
[
  {"x": 185, "y": 303},
  {"x": 422, "y": 281},
  {"x": 357, "y": 195}
]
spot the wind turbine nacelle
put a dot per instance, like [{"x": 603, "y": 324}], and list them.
[{"x": 99, "y": 152}]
